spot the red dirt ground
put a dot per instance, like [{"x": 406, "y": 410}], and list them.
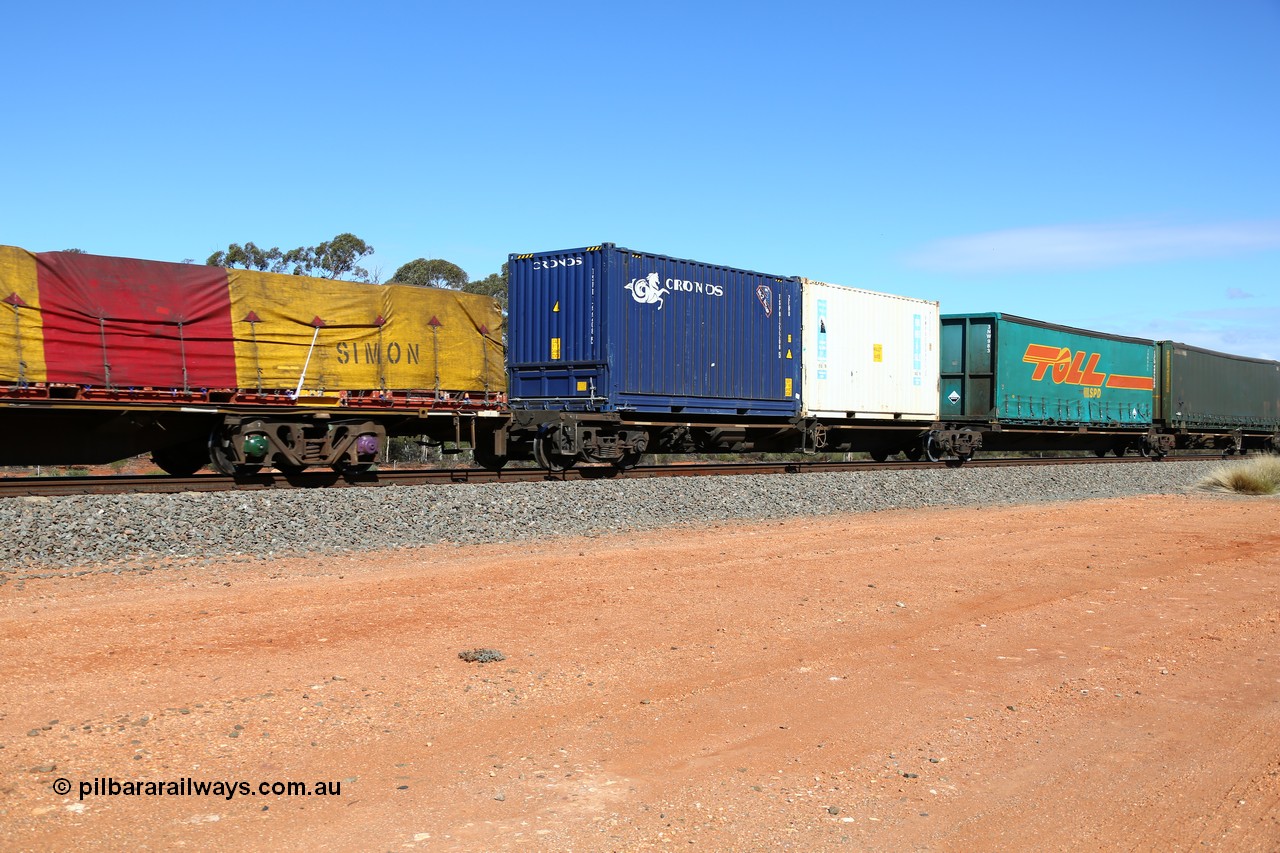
[{"x": 1094, "y": 675}]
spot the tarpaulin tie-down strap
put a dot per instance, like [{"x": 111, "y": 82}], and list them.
[
  {"x": 182, "y": 345},
  {"x": 302, "y": 376},
  {"x": 106, "y": 365}
]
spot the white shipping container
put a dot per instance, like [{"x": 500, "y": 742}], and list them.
[{"x": 868, "y": 355}]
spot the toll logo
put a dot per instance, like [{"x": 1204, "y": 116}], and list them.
[
  {"x": 1067, "y": 367},
  {"x": 647, "y": 290}
]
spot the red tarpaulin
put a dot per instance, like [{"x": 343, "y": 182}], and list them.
[{"x": 129, "y": 323}]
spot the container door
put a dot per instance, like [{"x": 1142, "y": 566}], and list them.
[
  {"x": 554, "y": 348},
  {"x": 966, "y": 367}
]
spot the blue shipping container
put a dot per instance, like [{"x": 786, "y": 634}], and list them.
[{"x": 609, "y": 329}]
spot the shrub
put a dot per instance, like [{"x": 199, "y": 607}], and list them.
[{"x": 1258, "y": 476}]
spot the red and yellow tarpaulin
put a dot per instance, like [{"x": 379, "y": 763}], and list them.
[{"x": 122, "y": 323}]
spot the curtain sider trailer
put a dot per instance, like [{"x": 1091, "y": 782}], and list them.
[
  {"x": 1032, "y": 385},
  {"x": 1210, "y": 399}
]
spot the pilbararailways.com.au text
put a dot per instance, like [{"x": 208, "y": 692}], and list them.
[{"x": 188, "y": 787}]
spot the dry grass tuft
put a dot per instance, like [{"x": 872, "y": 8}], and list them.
[{"x": 1258, "y": 476}]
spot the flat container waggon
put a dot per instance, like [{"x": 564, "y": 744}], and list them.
[
  {"x": 102, "y": 358},
  {"x": 870, "y": 368},
  {"x": 615, "y": 352}
]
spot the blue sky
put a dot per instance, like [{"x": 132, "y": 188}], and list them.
[{"x": 1111, "y": 165}]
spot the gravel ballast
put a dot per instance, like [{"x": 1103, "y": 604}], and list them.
[{"x": 94, "y": 532}]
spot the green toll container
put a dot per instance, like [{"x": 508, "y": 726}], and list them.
[
  {"x": 998, "y": 368},
  {"x": 1201, "y": 389}
]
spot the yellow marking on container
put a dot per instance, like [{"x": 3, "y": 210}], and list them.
[
  {"x": 788, "y": 339},
  {"x": 787, "y": 391},
  {"x": 788, "y": 353},
  {"x": 555, "y": 349},
  {"x": 582, "y": 385},
  {"x": 555, "y": 309},
  {"x": 877, "y": 352}
]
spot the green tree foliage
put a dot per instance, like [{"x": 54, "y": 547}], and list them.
[
  {"x": 493, "y": 285},
  {"x": 74, "y": 252},
  {"x": 249, "y": 257},
  {"x": 431, "y": 273},
  {"x": 436, "y": 272},
  {"x": 336, "y": 258}
]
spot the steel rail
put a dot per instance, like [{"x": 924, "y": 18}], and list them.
[{"x": 163, "y": 484}]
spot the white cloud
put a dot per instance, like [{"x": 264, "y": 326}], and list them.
[
  {"x": 1237, "y": 293},
  {"x": 1057, "y": 247},
  {"x": 1244, "y": 331}
]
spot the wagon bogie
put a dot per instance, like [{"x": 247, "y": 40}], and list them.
[{"x": 242, "y": 446}]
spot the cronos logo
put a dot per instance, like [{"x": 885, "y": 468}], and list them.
[
  {"x": 650, "y": 289},
  {"x": 647, "y": 290},
  {"x": 552, "y": 263}
]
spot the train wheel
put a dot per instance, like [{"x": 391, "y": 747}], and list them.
[
  {"x": 487, "y": 459},
  {"x": 628, "y": 460},
  {"x": 550, "y": 460},
  {"x": 914, "y": 454},
  {"x": 1099, "y": 452},
  {"x": 219, "y": 458},
  {"x": 1120, "y": 450},
  {"x": 182, "y": 460},
  {"x": 880, "y": 455},
  {"x": 223, "y": 462},
  {"x": 932, "y": 451}
]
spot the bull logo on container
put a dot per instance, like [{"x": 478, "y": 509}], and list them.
[
  {"x": 647, "y": 290},
  {"x": 1078, "y": 368},
  {"x": 764, "y": 293}
]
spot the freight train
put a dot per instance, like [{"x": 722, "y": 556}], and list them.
[{"x": 610, "y": 354}]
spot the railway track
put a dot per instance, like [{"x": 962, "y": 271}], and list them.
[{"x": 161, "y": 483}]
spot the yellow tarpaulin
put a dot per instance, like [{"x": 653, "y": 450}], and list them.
[
  {"x": 343, "y": 336},
  {"x": 21, "y": 327}
]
